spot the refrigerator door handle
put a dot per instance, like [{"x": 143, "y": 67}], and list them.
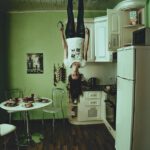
[{"x": 125, "y": 78}]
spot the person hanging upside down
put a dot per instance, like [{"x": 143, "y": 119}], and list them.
[{"x": 75, "y": 40}]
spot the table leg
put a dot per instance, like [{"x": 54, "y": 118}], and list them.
[
  {"x": 26, "y": 138},
  {"x": 29, "y": 138}
]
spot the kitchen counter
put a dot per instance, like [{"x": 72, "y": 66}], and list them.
[
  {"x": 109, "y": 88},
  {"x": 96, "y": 88}
]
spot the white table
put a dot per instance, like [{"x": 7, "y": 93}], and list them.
[{"x": 21, "y": 107}]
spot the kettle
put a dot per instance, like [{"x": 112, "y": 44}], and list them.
[{"x": 92, "y": 82}]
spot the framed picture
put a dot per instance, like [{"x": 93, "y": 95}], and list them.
[{"x": 35, "y": 63}]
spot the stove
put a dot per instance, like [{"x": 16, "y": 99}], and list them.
[{"x": 111, "y": 107}]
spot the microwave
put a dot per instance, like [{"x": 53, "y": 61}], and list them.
[{"x": 141, "y": 36}]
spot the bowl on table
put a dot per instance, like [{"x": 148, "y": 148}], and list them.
[
  {"x": 42, "y": 100},
  {"x": 28, "y": 99}
]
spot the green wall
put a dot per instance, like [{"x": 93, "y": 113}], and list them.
[
  {"x": 34, "y": 32},
  {"x": 148, "y": 12}
]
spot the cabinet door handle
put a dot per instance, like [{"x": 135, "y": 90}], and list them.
[
  {"x": 114, "y": 42},
  {"x": 119, "y": 45},
  {"x": 109, "y": 45}
]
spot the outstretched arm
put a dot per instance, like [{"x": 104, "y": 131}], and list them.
[
  {"x": 64, "y": 43},
  {"x": 86, "y": 42}
]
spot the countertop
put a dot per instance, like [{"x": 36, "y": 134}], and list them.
[{"x": 109, "y": 88}]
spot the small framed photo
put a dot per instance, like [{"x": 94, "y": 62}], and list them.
[
  {"x": 35, "y": 63},
  {"x": 133, "y": 17}
]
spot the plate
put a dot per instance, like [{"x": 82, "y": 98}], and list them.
[
  {"x": 28, "y": 105},
  {"x": 11, "y": 104}
]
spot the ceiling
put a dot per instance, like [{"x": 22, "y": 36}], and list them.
[{"x": 24, "y": 5}]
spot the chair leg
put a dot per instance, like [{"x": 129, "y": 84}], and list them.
[
  {"x": 63, "y": 116},
  {"x": 7, "y": 140},
  {"x": 43, "y": 120},
  {"x": 17, "y": 141},
  {"x": 5, "y": 146},
  {"x": 10, "y": 117},
  {"x": 21, "y": 115},
  {"x": 24, "y": 119},
  {"x": 53, "y": 125},
  {"x": 43, "y": 124}
]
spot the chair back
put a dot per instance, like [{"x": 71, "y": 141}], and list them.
[
  {"x": 57, "y": 97},
  {"x": 13, "y": 93}
]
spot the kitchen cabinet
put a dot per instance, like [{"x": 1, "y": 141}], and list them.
[
  {"x": 91, "y": 109},
  {"x": 113, "y": 29},
  {"x": 107, "y": 35},
  {"x": 121, "y": 26},
  {"x": 104, "y": 36},
  {"x": 118, "y": 30},
  {"x": 102, "y": 54},
  {"x": 87, "y": 110},
  {"x": 129, "y": 10},
  {"x": 127, "y": 26}
]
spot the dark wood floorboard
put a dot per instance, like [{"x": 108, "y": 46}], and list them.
[{"x": 67, "y": 136}]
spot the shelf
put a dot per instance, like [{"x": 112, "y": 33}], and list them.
[
  {"x": 127, "y": 44},
  {"x": 133, "y": 26}
]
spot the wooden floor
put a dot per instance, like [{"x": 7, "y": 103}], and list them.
[{"x": 68, "y": 137}]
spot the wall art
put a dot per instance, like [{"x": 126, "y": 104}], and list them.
[{"x": 35, "y": 63}]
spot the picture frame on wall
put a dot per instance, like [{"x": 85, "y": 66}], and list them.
[{"x": 35, "y": 63}]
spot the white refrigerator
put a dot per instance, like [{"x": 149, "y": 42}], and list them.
[{"x": 133, "y": 98}]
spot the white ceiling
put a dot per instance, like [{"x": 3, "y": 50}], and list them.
[{"x": 54, "y": 4}]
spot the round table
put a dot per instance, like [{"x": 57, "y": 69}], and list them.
[{"x": 21, "y": 107}]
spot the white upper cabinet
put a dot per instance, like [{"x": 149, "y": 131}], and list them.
[
  {"x": 101, "y": 40},
  {"x": 122, "y": 24},
  {"x": 132, "y": 14},
  {"x": 128, "y": 26},
  {"x": 107, "y": 35},
  {"x": 113, "y": 29}
]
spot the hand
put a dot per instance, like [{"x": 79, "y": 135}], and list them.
[
  {"x": 60, "y": 26},
  {"x": 87, "y": 31}
]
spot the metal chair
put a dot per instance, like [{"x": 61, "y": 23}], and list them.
[
  {"x": 10, "y": 94},
  {"x": 6, "y": 131},
  {"x": 56, "y": 107}
]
